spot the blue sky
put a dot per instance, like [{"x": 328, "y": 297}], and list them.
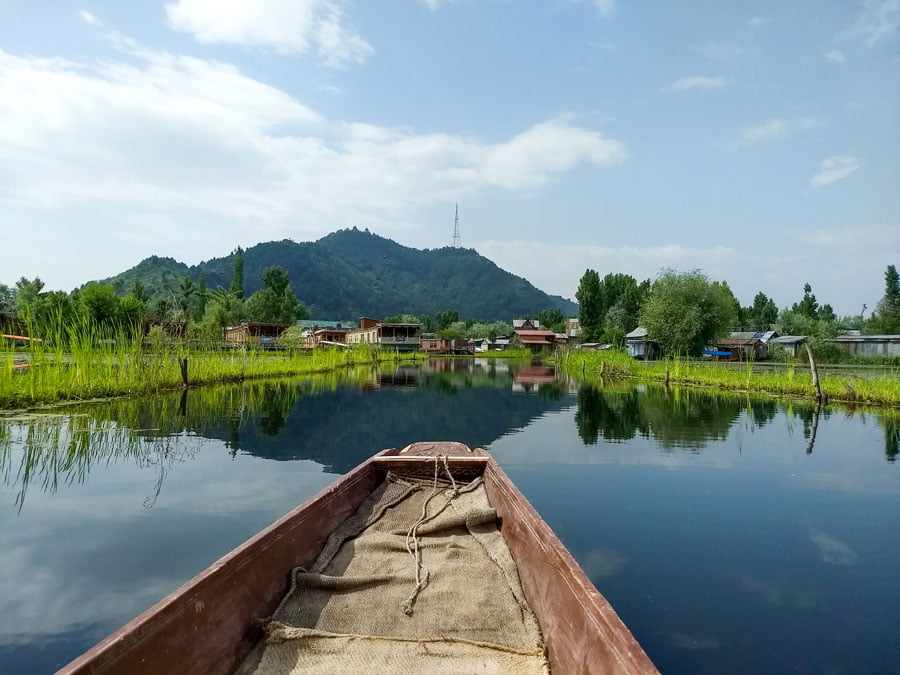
[{"x": 757, "y": 141}]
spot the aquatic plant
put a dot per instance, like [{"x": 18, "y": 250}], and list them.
[
  {"x": 883, "y": 389},
  {"x": 84, "y": 361}
]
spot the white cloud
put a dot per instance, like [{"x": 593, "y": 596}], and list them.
[
  {"x": 776, "y": 128},
  {"x": 836, "y": 55},
  {"x": 878, "y": 22},
  {"x": 720, "y": 51},
  {"x": 832, "y": 169},
  {"x": 759, "y": 21},
  {"x": 289, "y": 26},
  {"x": 167, "y": 152},
  {"x": 605, "y": 7},
  {"x": 89, "y": 18},
  {"x": 696, "y": 82},
  {"x": 833, "y": 551}
]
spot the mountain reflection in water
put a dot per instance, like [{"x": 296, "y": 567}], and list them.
[{"x": 339, "y": 419}]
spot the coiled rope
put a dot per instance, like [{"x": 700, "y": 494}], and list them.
[{"x": 412, "y": 535}]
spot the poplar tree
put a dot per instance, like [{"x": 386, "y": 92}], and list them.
[
  {"x": 590, "y": 305},
  {"x": 237, "y": 278}
]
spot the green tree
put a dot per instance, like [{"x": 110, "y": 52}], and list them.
[
  {"x": 624, "y": 297},
  {"x": 807, "y": 306},
  {"x": 762, "y": 313},
  {"x": 237, "y": 276},
  {"x": 891, "y": 287},
  {"x": 275, "y": 302},
  {"x": 202, "y": 297},
  {"x": 402, "y": 318},
  {"x": 552, "y": 319},
  {"x": 621, "y": 299},
  {"x": 99, "y": 304},
  {"x": 686, "y": 312},
  {"x": 223, "y": 309},
  {"x": 590, "y": 305},
  {"x": 455, "y": 331},
  {"x": 131, "y": 312},
  {"x": 139, "y": 291},
  {"x": 44, "y": 311},
  {"x": 443, "y": 319},
  {"x": 490, "y": 330},
  {"x": 886, "y": 319},
  {"x": 7, "y": 299},
  {"x": 186, "y": 292},
  {"x": 28, "y": 295}
]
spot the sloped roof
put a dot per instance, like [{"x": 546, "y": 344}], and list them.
[
  {"x": 535, "y": 333},
  {"x": 789, "y": 339},
  {"x": 637, "y": 334}
]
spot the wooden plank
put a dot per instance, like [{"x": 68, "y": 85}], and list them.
[
  {"x": 582, "y": 632},
  {"x": 210, "y": 623}
]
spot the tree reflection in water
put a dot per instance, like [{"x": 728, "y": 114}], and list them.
[{"x": 673, "y": 417}]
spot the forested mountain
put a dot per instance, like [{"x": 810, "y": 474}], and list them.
[{"x": 352, "y": 273}]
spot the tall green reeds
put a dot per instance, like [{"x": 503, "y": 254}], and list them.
[
  {"x": 882, "y": 390},
  {"x": 86, "y": 361}
]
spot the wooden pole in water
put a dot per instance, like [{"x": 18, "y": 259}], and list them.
[
  {"x": 183, "y": 364},
  {"x": 815, "y": 373}
]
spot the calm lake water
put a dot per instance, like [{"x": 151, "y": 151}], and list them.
[{"x": 724, "y": 541}]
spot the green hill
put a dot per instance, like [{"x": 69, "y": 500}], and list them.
[{"x": 352, "y": 273}]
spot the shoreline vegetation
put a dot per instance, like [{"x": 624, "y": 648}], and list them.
[
  {"x": 794, "y": 380},
  {"x": 86, "y": 368}
]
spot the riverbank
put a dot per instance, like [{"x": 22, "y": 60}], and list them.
[
  {"x": 128, "y": 368},
  {"x": 792, "y": 381}
]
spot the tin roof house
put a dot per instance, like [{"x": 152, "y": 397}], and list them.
[
  {"x": 639, "y": 346},
  {"x": 868, "y": 345}
]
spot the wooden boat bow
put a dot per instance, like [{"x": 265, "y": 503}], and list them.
[{"x": 211, "y": 623}]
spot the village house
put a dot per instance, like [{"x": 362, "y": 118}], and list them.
[
  {"x": 334, "y": 336},
  {"x": 401, "y": 337},
  {"x": 790, "y": 343},
  {"x": 255, "y": 333},
  {"x": 868, "y": 345},
  {"x": 746, "y": 345},
  {"x": 431, "y": 344},
  {"x": 535, "y": 340},
  {"x": 639, "y": 346}
]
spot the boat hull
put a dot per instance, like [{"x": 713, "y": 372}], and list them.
[{"x": 211, "y": 623}]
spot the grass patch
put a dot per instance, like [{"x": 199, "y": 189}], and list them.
[
  {"x": 86, "y": 363},
  {"x": 883, "y": 390}
]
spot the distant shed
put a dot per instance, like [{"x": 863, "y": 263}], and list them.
[
  {"x": 869, "y": 345},
  {"x": 639, "y": 346},
  {"x": 790, "y": 343}
]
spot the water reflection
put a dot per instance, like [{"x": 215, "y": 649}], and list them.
[
  {"x": 774, "y": 537},
  {"x": 674, "y": 418},
  {"x": 336, "y": 420},
  {"x": 339, "y": 419},
  {"x": 891, "y": 437}
]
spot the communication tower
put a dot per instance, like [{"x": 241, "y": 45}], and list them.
[{"x": 456, "y": 228}]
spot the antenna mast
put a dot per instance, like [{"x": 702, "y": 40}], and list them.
[{"x": 456, "y": 228}]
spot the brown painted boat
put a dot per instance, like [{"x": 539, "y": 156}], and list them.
[{"x": 211, "y": 623}]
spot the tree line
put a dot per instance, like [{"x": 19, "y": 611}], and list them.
[
  {"x": 192, "y": 310},
  {"x": 686, "y": 311}
]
